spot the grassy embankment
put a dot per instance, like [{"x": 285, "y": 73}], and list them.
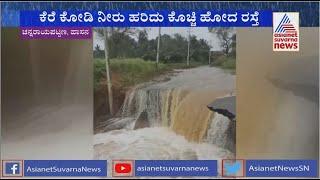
[
  {"x": 227, "y": 63},
  {"x": 129, "y": 72}
]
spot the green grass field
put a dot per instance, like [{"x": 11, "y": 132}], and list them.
[{"x": 133, "y": 71}]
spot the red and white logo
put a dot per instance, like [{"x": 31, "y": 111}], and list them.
[
  {"x": 285, "y": 31},
  {"x": 122, "y": 168}
]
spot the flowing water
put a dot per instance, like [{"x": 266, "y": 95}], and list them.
[
  {"x": 170, "y": 120},
  {"x": 46, "y": 100},
  {"x": 277, "y": 97}
]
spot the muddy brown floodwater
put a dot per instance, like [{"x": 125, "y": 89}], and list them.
[
  {"x": 277, "y": 96},
  {"x": 180, "y": 126}
]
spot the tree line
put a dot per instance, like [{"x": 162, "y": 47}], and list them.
[{"x": 173, "y": 48}]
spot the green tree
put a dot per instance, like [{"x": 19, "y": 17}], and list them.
[
  {"x": 98, "y": 52},
  {"x": 122, "y": 45},
  {"x": 233, "y": 45},
  {"x": 224, "y": 34},
  {"x": 104, "y": 33},
  {"x": 143, "y": 43}
]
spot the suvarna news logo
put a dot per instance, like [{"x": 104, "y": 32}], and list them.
[{"x": 285, "y": 31}]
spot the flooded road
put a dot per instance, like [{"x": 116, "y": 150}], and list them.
[
  {"x": 170, "y": 120},
  {"x": 46, "y": 105},
  {"x": 277, "y": 97}
]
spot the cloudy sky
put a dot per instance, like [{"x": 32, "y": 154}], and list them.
[{"x": 199, "y": 32}]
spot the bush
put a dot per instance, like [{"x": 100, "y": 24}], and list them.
[
  {"x": 131, "y": 71},
  {"x": 218, "y": 61},
  {"x": 149, "y": 57},
  {"x": 225, "y": 62},
  {"x": 229, "y": 63},
  {"x": 99, "y": 71}
]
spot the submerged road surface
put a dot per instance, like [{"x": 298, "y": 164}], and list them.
[{"x": 180, "y": 126}]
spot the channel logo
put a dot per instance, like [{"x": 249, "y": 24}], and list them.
[
  {"x": 122, "y": 168},
  {"x": 285, "y": 31},
  {"x": 12, "y": 168},
  {"x": 233, "y": 168}
]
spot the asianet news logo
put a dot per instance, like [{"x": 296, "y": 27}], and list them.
[{"x": 285, "y": 31}]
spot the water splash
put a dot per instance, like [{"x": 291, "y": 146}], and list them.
[
  {"x": 152, "y": 144},
  {"x": 170, "y": 120},
  {"x": 220, "y": 132}
]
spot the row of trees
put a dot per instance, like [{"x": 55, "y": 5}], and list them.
[
  {"x": 173, "y": 48},
  {"x": 227, "y": 38}
]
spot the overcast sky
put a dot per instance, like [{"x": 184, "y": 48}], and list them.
[{"x": 199, "y": 32}]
